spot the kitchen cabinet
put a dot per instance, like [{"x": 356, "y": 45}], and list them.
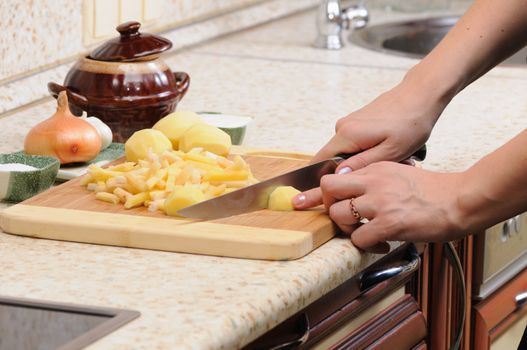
[
  {"x": 376, "y": 309},
  {"x": 503, "y": 313},
  {"x": 494, "y": 264}
]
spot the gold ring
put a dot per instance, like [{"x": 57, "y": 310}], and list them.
[{"x": 354, "y": 211}]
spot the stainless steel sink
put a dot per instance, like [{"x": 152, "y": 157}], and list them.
[{"x": 414, "y": 38}]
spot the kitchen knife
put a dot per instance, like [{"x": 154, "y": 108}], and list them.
[{"x": 255, "y": 197}]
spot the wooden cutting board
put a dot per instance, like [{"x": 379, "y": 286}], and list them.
[{"x": 69, "y": 212}]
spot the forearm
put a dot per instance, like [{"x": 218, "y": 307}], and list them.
[
  {"x": 495, "y": 188},
  {"x": 489, "y": 32}
]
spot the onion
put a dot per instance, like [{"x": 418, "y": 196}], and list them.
[{"x": 64, "y": 136}]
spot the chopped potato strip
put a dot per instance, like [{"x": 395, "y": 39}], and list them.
[
  {"x": 122, "y": 194},
  {"x": 227, "y": 176},
  {"x": 136, "y": 200},
  {"x": 107, "y": 197},
  {"x": 151, "y": 182}
]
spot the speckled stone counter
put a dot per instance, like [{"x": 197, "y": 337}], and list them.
[{"x": 296, "y": 93}]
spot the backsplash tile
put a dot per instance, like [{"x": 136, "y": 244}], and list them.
[
  {"x": 37, "y": 34},
  {"x": 41, "y": 39}
]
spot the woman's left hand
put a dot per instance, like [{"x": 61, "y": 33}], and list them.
[{"x": 400, "y": 203}]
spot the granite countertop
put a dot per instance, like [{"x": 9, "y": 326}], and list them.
[{"x": 296, "y": 93}]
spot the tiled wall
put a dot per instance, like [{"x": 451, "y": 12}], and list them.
[
  {"x": 37, "y": 34},
  {"x": 40, "y": 39}
]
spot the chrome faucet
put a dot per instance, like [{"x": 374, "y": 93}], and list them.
[{"x": 332, "y": 19}]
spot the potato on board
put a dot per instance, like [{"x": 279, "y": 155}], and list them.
[
  {"x": 175, "y": 124},
  {"x": 143, "y": 141},
  {"x": 281, "y": 198},
  {"x": 208, "y": 137},
  {"x": 181, "y": 197}
]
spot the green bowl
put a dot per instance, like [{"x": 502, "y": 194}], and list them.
[
  {"x": 16, "y": 185},
  {"x": 234, "y": 125}
]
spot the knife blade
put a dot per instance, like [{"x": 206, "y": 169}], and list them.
[{"x": 255, "y": 197}]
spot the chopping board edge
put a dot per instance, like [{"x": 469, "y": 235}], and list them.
[
  {"x": 158, "y": 234},
  {"x": 43, "y": 217}
]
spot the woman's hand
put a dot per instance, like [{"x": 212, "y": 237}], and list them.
[
  {"x": 401, "y": 203},
  {"x": 392, "y": 127}
]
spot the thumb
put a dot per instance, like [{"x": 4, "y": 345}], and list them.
[{"x": 362, "y": 159}]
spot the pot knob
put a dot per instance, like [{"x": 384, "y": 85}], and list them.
[
  {"x": 129, "y": 28},
  {"x": 131, "y": 45}
]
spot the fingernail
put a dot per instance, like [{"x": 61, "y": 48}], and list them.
[
  {"x": 345, "y": 170},
  {"x": 299, "y": 200},
  {"x": 410, "y": 162}
]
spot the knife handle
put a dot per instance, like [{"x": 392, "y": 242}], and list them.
[{"x": 418, "y": 155}]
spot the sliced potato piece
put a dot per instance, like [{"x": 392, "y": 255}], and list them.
[
  {"x": 281, "y": 198},
  {"x": 181, "y": 197},
  {"x": 107, "y": 197},
  {"x": 136, "y": 200}
]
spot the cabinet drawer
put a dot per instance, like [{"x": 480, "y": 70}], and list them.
[
  {"x": 343, "y": 306},
  {"x": 362, "y": 319},
  {"x": 401, "y": 326},
  {"x": 500, "y": 312}
]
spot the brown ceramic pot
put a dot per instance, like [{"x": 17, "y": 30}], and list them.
[{"x": 125, "y": 83}]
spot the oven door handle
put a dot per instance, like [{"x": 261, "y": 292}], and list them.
[
  {"x": 371, "y": 278},
  {"x": 521, "y": 299},
  {"x": 302, "y": 338}
]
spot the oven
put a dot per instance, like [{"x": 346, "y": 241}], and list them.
[{"x": 500, "y": 253}]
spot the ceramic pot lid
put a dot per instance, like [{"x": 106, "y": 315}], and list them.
[{"x": 131, "y": 45}]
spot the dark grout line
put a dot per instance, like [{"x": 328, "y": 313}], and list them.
[
  {"x": 23, "y": 107},
  {"x": 289, "y": 60}
]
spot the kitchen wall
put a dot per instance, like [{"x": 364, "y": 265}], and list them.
[{"x": 40, "y": 39}]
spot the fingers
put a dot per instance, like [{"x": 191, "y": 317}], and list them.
[
  {"x": 341, "y": 212},
  {"x": 308, "y": 199},
  {"x": 364, "y": 158},
  {"x": 379, "y": 248},
  {"x": 369, "y": 235},
  {"x": 339, "y": 187},
  {"x": 348, "y": 229},
  {"x": 335, "y": 187},
  {"x": 336, "y": 145}
]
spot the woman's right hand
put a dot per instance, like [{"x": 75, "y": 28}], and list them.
[{"x": 392, "y": 127}]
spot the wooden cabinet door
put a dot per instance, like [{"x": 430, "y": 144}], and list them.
[
  {"x": 500, "y": 320},
  {"x": 402, "y": 326}
]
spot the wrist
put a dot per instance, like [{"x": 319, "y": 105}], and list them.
[
  {"x": 436, "y": 87},
  {"x": 478, "y": 204}
]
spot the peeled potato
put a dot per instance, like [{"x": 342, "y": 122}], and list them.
[
  {"x": 281, "y": 198},
  {"x": 181, "y": 197},
  {"x": 175, "y": 124},
  {"x": 141, "y": 141},
  {"x": 208, "y": 137}
]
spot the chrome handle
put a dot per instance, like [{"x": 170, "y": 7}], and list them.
[
  {"x": 297, "y": 342},
  {"x": 518, "y": 223},
  {"x": 521, "y": 299},
  {"x": 510, "y": 227},
  {"x": 372, "y": 278}
]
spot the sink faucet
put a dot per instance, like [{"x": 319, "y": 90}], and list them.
[{"x": 332, "y": 19}]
